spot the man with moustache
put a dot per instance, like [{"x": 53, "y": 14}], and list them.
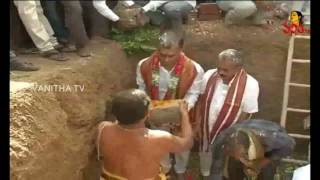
[
  {"x": 228, "y": 95},
  {"x": 169, "y": 74}
]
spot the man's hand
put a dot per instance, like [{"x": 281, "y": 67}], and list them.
[
  {"x": 183, "y": 107},
  {"x": 142, "y": 19},
  {"x": 166, "y": 126},
  {"x": 244, "y": 116},
  {"x": 261, "y": 163},
  {"x": 256, "y": 165},
  {"x": 251, "y": 172}
]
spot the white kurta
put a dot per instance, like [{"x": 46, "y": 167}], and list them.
[
  {"x": 165, "y": 75},
  {"x": 249, "y": 104},
  {"x": 190, "y": 97}
]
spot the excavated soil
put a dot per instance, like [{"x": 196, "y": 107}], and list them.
[{"x": 52, "y": 133}]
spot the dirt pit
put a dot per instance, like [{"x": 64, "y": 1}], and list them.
[
  {"x": 52, "y": 133},
  {"x": 52, "y": 130}
]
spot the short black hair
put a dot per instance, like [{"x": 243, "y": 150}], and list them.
[
  {"x": 130, "y": 106},
  {"x": 171, "y": 34}
]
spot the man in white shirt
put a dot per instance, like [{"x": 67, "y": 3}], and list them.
[
  {"x": 169, "y": 74},
  {"x": 104, "y": 10},
  {"x": 228, "y": 95}
]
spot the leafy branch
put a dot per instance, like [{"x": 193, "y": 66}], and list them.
[{"x": 139, "y": 40}]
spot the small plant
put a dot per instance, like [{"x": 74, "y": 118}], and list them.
[{"x": 139, "y": 40}]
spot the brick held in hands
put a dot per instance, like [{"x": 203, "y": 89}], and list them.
[{"x": 165, "y": 111}]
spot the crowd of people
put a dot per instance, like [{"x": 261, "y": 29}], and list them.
[
  {"x": 217, "y": 105},
  {"x": 54, "y": 34}
]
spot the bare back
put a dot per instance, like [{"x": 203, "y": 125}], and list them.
[{"x": 134, "y": 153}]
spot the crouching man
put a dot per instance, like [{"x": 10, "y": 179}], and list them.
[
  {"x": 251, "y": 148},
  {"x": 130, "y": 151}
]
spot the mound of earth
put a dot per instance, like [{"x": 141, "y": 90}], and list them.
[{"x": 52, "y": 131}]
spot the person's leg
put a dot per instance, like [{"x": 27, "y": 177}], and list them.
[
  {"x": 166, "y": 164},
  {"x": 28, "y": 14},
  {"x": 50, "y": 9},
  {"x": 36, "y": 30},
  {"x": 235, "y": 170},
  {"x": 156, "y": 17},
  {"x": 176, "y": 10},
  {"x": 205, "y": 163},
  {"x": 17, "y": 64},
  {"x": 224, "y": 5},
  {"x": 43, "y": 19},
  {"x": 237, "y": 10},
  {"x": 268, "y": 172},
  {"x": 97, "y": 24},
  {"x": 259, "y": 17},
  {"x": 182, "y": 160},
  {"x": 74, "y": 21},
  {"x": 75, "y": 24}
]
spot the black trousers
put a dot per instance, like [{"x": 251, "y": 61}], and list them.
[{"x": 82, "y": 14}]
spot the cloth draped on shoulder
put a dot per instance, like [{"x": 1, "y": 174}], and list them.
[
  {"x": 184, "y": 71},
  {"x": 228, "y": 113}
]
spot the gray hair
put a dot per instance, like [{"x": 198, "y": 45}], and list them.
[
  {"x": 171, "y": 38},
  {"x": 233, "y": 55}
]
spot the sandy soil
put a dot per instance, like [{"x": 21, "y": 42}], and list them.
[{"x": 52, "y": 133}]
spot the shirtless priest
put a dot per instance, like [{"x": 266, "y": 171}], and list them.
[{"x": 130, "y": 151}]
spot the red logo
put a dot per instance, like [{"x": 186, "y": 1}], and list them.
[{"x": 295, "y": 24}]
